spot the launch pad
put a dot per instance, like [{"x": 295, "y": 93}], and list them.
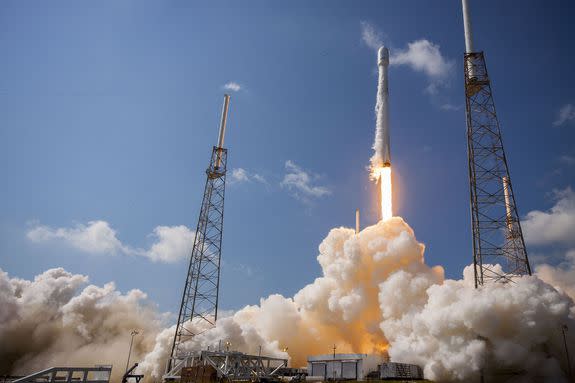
[{"x": 227, "y": 365}]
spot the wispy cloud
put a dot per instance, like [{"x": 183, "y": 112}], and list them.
[
  {"x": 241, "y": 175},
  {"x": 240, "y": 268},
  {"x": 449, "y": 106},
  {"x": 556, "y": 225},
  {"x": 567, "y": 160},
  {"x": 301, "y": 183},
  {"x": 170, "y": 243},
  {"x": 233, "y": 86},
  {"x": 370, "y": 35},
  {"x": 565, "y": 115}
]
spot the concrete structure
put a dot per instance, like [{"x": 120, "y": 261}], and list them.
[{"x": 338, "y": 366}]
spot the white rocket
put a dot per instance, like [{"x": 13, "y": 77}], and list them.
[{"x": 382, "y": 157}]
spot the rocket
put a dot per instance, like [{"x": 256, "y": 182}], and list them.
[{"x": 381, "y": 144}]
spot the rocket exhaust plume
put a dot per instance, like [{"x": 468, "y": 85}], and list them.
[
  {"x": 381, "y": 159},
  {"x": 375, "y": 295}
]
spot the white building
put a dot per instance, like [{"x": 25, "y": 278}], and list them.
[{"x": 338, "y": 366}]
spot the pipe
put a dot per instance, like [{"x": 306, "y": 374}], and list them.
[
  {"x": 467, "y": 27},
  {"x": 356, "y": 221},
  {"x": 223, "y": 122},
  {"x": 222, "y": 133}
]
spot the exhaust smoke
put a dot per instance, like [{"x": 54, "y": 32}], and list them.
[{"x": 375, "y": 295}]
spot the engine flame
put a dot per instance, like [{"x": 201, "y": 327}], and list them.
[{"x": 383, "y": 176}]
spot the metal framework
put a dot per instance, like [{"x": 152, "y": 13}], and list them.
[
  {"x": 497, "y": 235},
  {"x": 232, "y": 365},
  {"x": 98, "y": 374},
  {"x": 199, "y": 307}
]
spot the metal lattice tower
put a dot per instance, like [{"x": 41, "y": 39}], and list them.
[
  {"x": 497, "y": 235},
  {"x": 200, "y": 297}
]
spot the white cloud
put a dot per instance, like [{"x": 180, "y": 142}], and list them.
[
  {"x": 372, "y": 37},
  {"x": 554, "y": 226},
  {"x": 97, "y": 237},
  {"x": 239, "y": 268},
  {"x": 567, "y": 160},
  {"x": 423, "y": 56},
  {"x": 241, "y": 175},
  {"x": 300, "y": 183},
  {"x": 566, "y": 114},
  {"x": 233, "y": 86},
  {"x": 171, "y": 243},
  {"x": 449, "y": 106}
]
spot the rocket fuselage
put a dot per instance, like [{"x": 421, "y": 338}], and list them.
[{"x": 382, "y": 112}]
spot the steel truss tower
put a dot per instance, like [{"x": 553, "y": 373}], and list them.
[
  {"x": 199, "y": 306},
  {"x": 497, "y": 235}
]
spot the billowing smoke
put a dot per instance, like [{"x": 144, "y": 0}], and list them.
[
  {"x": 375, "y": 295},
  {"x": 56, "y": 320}
]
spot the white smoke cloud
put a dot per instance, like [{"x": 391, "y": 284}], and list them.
[
  {"x": 454, "y": 333},
  {"x": 171, "y": 243},
  {"x": 300, "y": 183},
  {"x": 233, "y": 86},
  {"x": 561, "y": 276},
  {"x": 241, "y": 175},
  {"x": 423, "y": 56},
  {"x": 554, "y": 226},
  {"x": 376, "y": 295},
  {"x": 370, "y": 35},
  {"x": 55, "y": 321},
  {"x": 566, "y": 115},
  {"x": 420, "y": 55}
]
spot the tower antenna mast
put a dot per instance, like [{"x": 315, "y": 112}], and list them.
[
  {"x": 199, "y": 305},
  {"x": 497, "y": 235}
]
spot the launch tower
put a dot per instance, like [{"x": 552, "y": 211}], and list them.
[
  {"x": 497, "y": 235},
  {"x": 200, "y": 297}
]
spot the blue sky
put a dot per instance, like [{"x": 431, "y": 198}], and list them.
[{"x": 108, "y": 111}]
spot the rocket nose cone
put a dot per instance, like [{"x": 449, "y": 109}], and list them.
[{"x": 383, "y": 56}]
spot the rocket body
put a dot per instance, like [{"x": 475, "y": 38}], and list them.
[{"x": 382, "y": 157}]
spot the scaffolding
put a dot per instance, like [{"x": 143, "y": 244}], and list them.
[
  {"x": 229, "y": 365},
  {"x": 499, "y": 252},
  {"x": 199, "y": 305}
]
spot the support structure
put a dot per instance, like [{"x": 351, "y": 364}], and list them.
[
  {"x": 497, "y": 235},
  {"x": 232, "y": 365},
  {"x": 199, "y": 306},
  {"x": 97, "y": 374}
]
